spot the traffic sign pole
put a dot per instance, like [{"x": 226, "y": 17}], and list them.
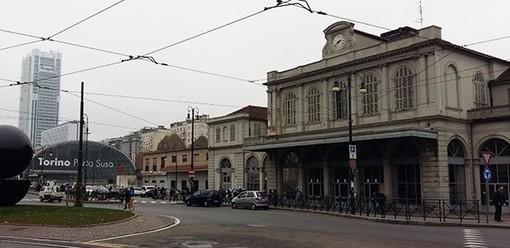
[{"x": 487, "y": 176}]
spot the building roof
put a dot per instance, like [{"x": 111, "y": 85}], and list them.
[
  {"x": 254, "y": 112},
  {"x": 504, "y": 78}
]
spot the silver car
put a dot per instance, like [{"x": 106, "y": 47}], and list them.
[{"x": 251, "y": 200}]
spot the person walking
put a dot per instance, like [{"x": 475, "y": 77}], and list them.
[{"x": 498, "y": 201}]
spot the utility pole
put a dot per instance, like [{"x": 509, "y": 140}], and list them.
[
  {"x": 192, "y": 172},
  {"x": 79, "y": 198}
]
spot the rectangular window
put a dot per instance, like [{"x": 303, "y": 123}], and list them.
[
  {"x": 163, "y": 160},
  {"x": 218, "y": 134},
  {"x": 174, "y": 159},
  {"x": 184, "y": 158},
  {"x": 161, "y": 181},
  {"x": 146, "y": 168},
  {"x": 256, "y": 129},
  {"x": 154, "y": 168},
  {"x": 154, "y": 181},
  {"x": 206, "y": 156},
  {"x": 154, "y": 161},
  {"x": 147, "y": 162},
  {"x": 232, "y": 132},
  {"x": 206, "y": 184},
  {"x": 146, "y": 181},
  {"x": 172, "y": 184}
]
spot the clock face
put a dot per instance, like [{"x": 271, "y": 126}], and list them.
[{"x": 339, "y": 41}]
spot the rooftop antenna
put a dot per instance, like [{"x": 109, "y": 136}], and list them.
[{"x": 420, "y": 7}]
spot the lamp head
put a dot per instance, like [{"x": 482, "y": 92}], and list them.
[{"x": 336, "y": 87}]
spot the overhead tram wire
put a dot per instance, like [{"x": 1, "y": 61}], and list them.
[
  {"x": 158, "y": 99},
  {"x": 67, "y": 119},
  {"x": 85, "y": 19},
  {"x": 114, "y": 109},
  {"x": 20, "y": 45}
]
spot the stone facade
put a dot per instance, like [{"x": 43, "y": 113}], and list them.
[
  {"x": 230, "y": 166},
  {"x": 417, "y": 104}
]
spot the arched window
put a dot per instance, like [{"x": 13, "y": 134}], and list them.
[
  {"x": 499, "y": 165},
  {"x": 456, "y": 171},
  {"x": 226, "y": 173},
  {"x": 290, "y": 109},
  {"x": 314, "y": 105},
  {"x": 252, "y": 165},
  {"x": 480, "y": 90},
  {"x": 452, "y": 87},
  {"x": 404, "y": 89},
  {"x": 370, "y": 83},
  {"x": 340, "y": 102}
]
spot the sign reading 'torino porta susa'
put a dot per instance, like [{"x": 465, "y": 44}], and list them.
[{"x": 102, "y": 163}]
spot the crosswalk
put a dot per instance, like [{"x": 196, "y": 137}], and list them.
[
  {"x": 473, "y": 239},
  {"x": 136, "y": 201}
]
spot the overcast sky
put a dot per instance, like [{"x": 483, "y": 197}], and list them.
[{"x": 277, "y": 39}]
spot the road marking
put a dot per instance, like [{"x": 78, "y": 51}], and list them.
[
  {"x": 177, "y": 222},
  {"x": 153, "y": 202},
  {"x": 473, "y": 239},
  {"x": 135, "y": 201},
  {"x": 144, "y": 201},
  {"x": 163, "y": 202},
  {"x": 256, "y": 225},
  {"x": 37, "y": 241}
]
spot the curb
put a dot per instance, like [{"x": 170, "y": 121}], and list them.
[{"x": 396, "y": 221}]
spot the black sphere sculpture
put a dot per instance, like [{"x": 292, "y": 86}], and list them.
[{"x": 15, "y": 156}]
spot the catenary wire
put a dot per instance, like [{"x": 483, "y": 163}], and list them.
[
  {"x": 85, "y": 19},
  {"x": 204, "y": 33},
  {"x": 20, "y": 45},
  {"x": 114, "y": 109}
]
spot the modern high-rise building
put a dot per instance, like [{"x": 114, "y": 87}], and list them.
[{"x": 39, "y": 106}]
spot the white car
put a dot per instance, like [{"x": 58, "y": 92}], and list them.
[
  {"x": 50, "y": 194},
  {"x": 137, "y": 191}
]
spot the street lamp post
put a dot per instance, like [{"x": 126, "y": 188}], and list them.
[
  {"x": 192, "y": 172},
  {"x": 353, "y": 189}
]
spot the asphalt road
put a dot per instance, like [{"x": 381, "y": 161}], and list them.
[{"x": 226, "y": 227}]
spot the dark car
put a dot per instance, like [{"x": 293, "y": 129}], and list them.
[{"x": 204, "y": 198}]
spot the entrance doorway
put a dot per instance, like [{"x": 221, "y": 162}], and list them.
[
  {"x": 499, "y": 166},
  {"x": 315, "y": 181}
]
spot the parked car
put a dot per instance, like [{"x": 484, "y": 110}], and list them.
[
  {"x": 147, "y": 191},
  {"x": 137, "y": 191},
  {"x": 50, "y": 194},
  {"x": 250, "y": 199},
  {"x": 204, "y": 198}
]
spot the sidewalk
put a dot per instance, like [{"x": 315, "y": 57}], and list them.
[
  {"x": 417, "y": 220},
  {"x": 141, "y": 223}
]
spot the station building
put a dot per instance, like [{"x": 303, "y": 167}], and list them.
[
  {"x": 102, "y": 165},
  {"x": 423, "y": 111}
]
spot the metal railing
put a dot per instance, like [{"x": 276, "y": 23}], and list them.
[{"x": 409, "y": 209}]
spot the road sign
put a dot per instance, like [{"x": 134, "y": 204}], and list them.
[
  {"x": 191, "y": 173},
  {"x": 352, "y": 152},
  {"x": 352, "y": 164},
  {"x": 487, "y": 174},
  {"x": 486, "y": 157}
]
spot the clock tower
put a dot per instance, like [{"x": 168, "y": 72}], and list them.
[{"x": 339, "y": 39}]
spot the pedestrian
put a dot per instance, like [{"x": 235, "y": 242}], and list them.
[{"x": 498, "y": 201}]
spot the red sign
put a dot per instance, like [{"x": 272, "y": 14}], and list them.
[
  {"x": 486, "y": 157},
  {"x": 191, "y": 173},
  {"x": 352, "y": 164}
]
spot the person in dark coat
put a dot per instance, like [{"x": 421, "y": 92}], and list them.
[{"x": 498, "y": 201}]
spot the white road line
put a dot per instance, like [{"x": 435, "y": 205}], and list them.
[
  {"x": 177, "y": 222},
  {"x": 153, "y": 202},
  {"x": 39, "y": 244},
  {"x": 473, "y": 239},
  {"x": 144, "y": 201},
  {"x": 163, "y": 202},
  {"x": 135, "y": 201}
]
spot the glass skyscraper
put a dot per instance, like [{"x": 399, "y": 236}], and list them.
[{"x": 39, "y": 106}]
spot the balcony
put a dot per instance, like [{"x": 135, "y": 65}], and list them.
[{"x": 488, "y": 113}]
